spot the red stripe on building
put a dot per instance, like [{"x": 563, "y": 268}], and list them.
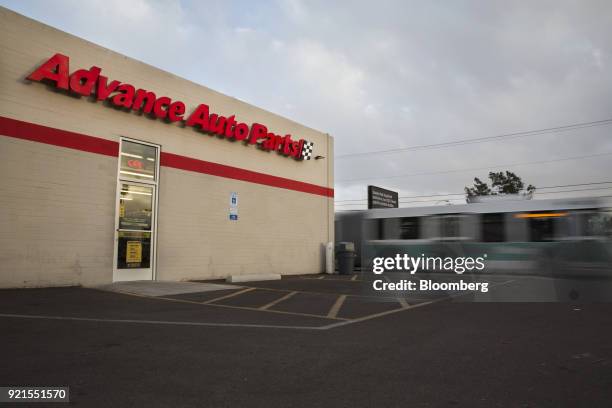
[
  {"x": 63, "y": 138},
  {"x": 221, "y": 170},
  {"x": 57, "y": 137}
]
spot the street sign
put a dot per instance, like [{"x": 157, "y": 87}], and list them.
[{"x": 382, "y": 198}]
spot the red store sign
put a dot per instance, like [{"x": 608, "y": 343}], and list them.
[{"x": 90, "y": 82}]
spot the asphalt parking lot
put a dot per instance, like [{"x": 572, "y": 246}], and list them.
[{"x": 305, "y": 341}]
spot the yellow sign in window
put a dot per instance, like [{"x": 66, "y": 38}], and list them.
[{"x": 133, "y": 252}]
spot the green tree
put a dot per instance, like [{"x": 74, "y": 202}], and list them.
[{"x": 501, "y": 183}]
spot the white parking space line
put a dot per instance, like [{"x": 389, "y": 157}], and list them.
[
  {"x": 159, "y": 322},
  {"x": 410, "y": 307},
  {"x": 332, "y": 313},
  {"x": 388, "y": 312}
]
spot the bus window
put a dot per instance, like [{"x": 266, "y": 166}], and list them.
[
  {"x": 493, "y": 227},
  {"x": 450, "y": 226},
  {"x": 409, "y": 228},
  {"x": 545, "y": 225},
  {"x": 541, "y": 229},
  {"x": 381, "y": 228},
  {"x": 596, "y": 224}
]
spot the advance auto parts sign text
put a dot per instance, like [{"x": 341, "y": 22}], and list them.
[{"x": 90, "y": 82}]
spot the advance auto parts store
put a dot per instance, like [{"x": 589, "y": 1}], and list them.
[{"x": 115, "y": 170}]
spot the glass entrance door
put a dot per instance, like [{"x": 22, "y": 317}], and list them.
[
  {"x": 136, "y": 212},
  {"x": 135, "y": 232}
]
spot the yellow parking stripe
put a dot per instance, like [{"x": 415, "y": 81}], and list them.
[
  {"x": 277, "y": 301},
  {"x": 240, "y": 292},
  {"x": 333, "y": 312}
]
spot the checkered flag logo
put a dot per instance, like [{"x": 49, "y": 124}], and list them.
[{"x": 307, "y": 150}]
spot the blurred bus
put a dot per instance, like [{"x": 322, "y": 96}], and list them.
[{"x": 542, "y": 237}]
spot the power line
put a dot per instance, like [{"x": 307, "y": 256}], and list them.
[
  {"x": 479, "y": 168},
  {"x": 540, "y": 193},
  {"x": 417, "y": 196},
  {"x": 430, "y": 201},
  {"x": 448, "y": 199},
  {"x": 571, "y": 191},
  {"x": 595, "y": 183},
  {"x": 407, "y": 202},
  {"x": 462, "y": 194},
  {"x": 486, "y": 139},
  {"x": 427, "y": 201},
  {"x": 602, "y": 196}
]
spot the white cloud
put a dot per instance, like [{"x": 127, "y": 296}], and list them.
[{"x": 397, "y": 74}]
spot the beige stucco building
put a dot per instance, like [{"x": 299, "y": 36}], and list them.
[{"x": 94, "y": 190}]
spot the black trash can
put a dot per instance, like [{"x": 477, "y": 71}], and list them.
[{"x": 345, "y": 255}]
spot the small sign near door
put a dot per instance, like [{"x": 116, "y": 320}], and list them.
[
  {"x": 233, "y": 209},
  {"x": 133, "y": 253}
]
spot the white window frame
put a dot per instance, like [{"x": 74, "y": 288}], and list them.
[{"x": 155, "y": 184}]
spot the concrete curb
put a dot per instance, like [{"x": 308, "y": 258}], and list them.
[{"x": 252, "y": 278}]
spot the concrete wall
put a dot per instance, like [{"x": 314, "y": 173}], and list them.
[
  {"x": 279, "y": 231},
  {"x": 56, "y": 215},
  {"x": 58, "y": 204}
]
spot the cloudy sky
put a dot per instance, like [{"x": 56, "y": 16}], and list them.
[{"x": 392, "y": 74}]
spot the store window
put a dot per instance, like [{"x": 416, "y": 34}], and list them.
[
  {"x": 135, "y": 207},
  {"x": 138, "y": 161}
]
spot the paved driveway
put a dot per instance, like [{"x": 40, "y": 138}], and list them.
[{"x": 118, "y": 350}]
